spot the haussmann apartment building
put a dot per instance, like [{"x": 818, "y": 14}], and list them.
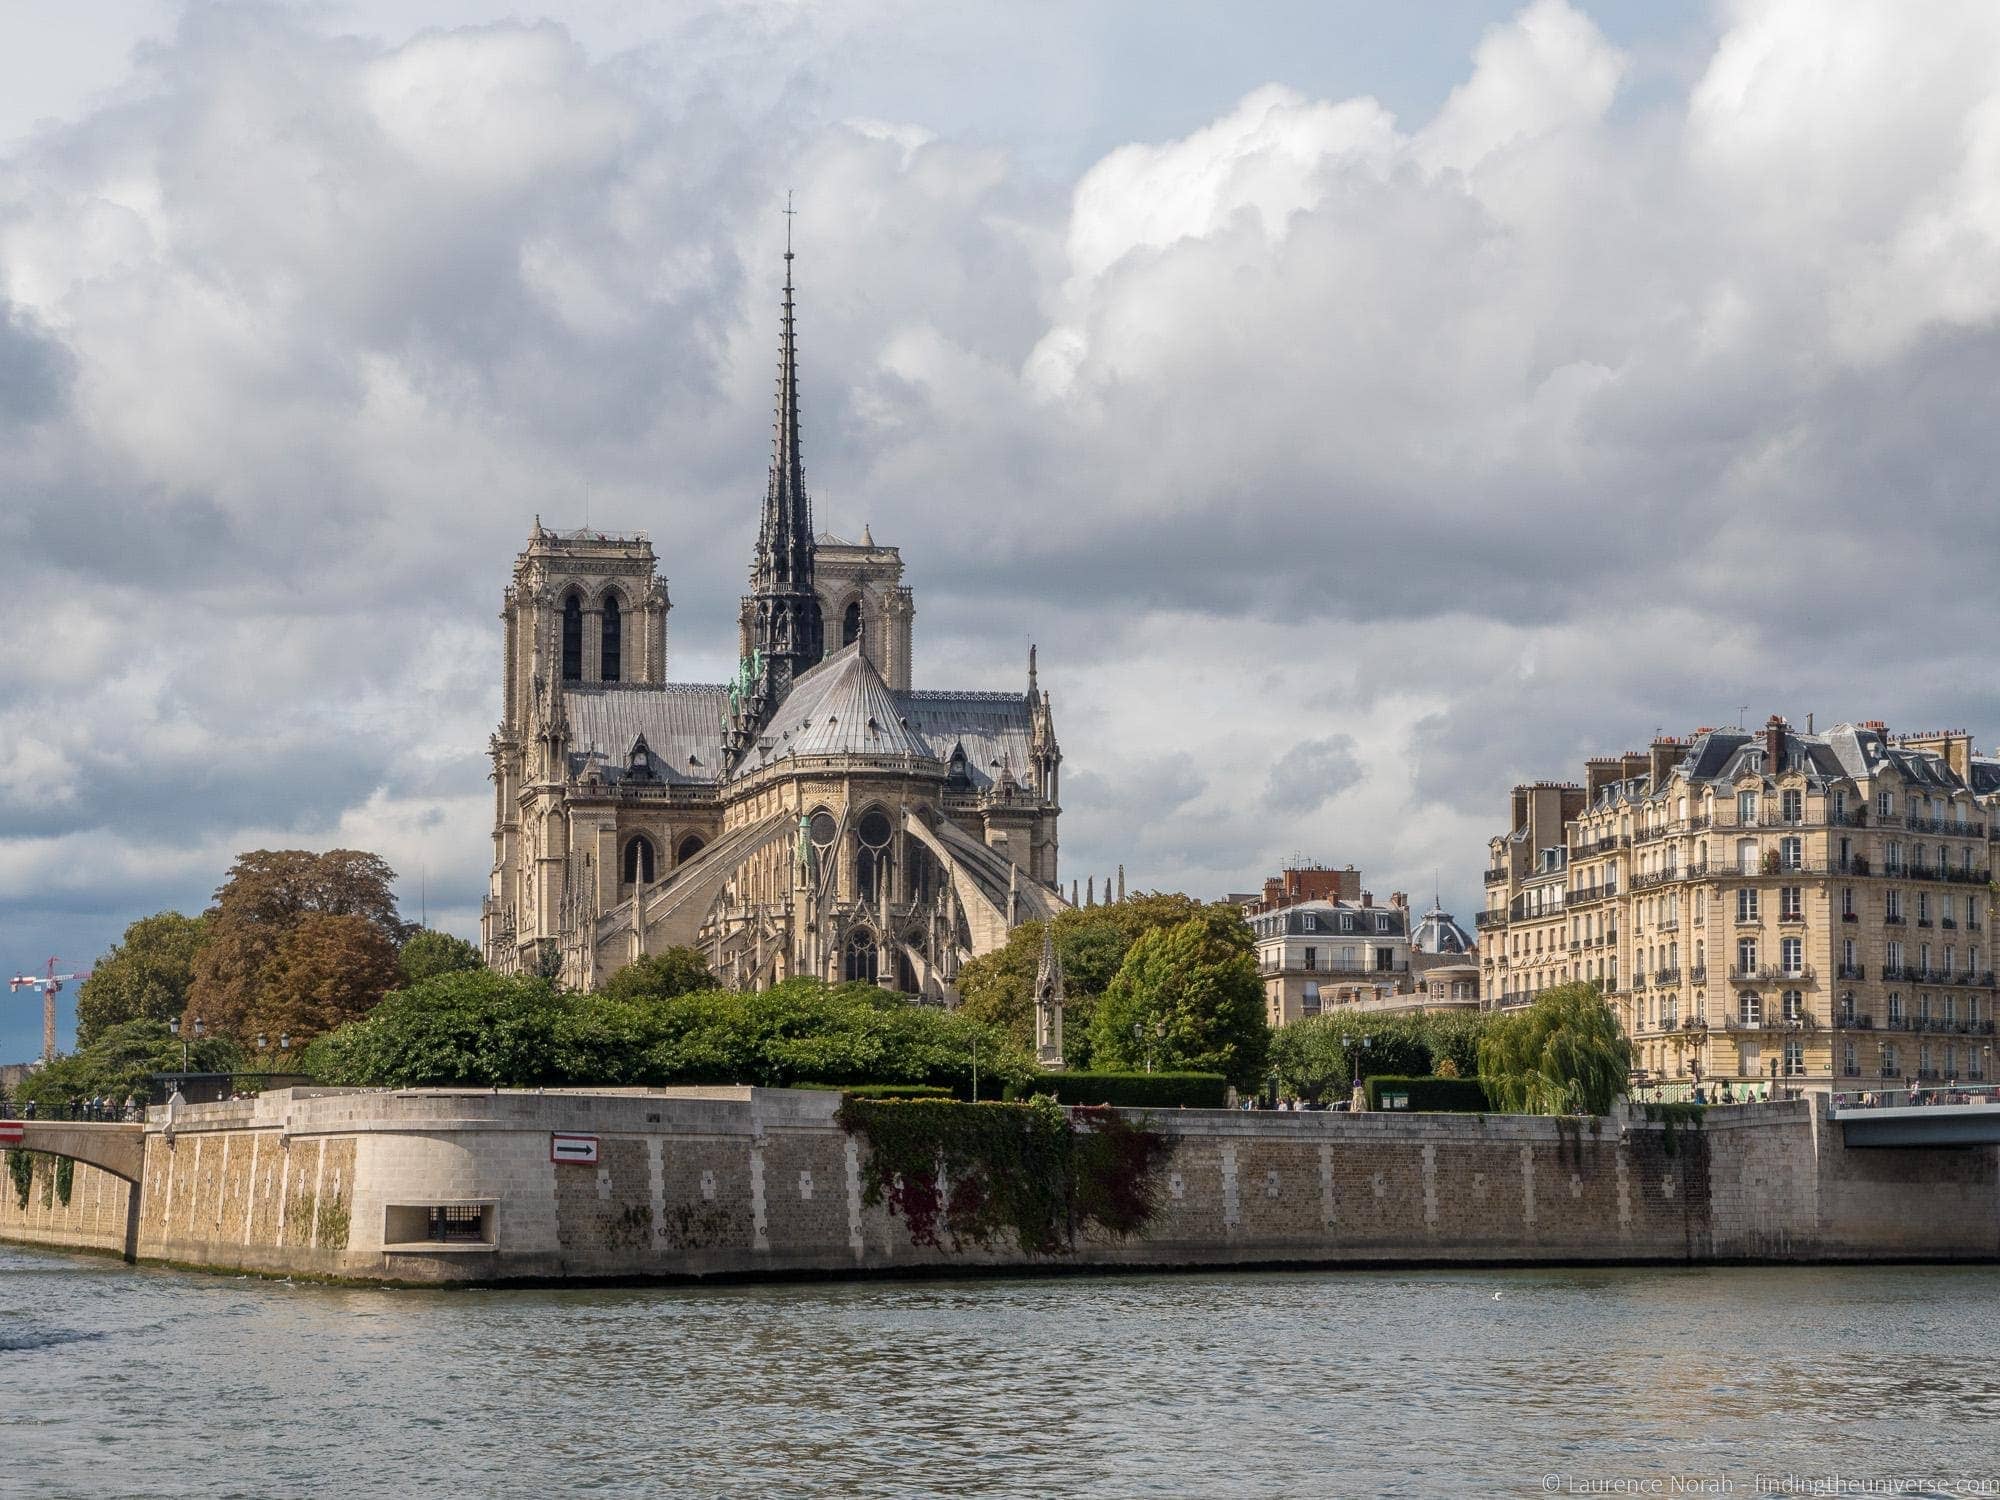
[{"x": 1763, "y": 906}]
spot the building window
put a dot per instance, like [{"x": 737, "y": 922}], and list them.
[
  {"x": 1746, "y": 955},
  {"x": 610, "y": 640},
  {"x": 1795, "y": 1059},
  {"x": 1791, "y": 852},
  {"x": 1795, "y": 1005},
  {"x": 1746, "y": 808},
  {"x": 861, "y": 957},
  {"x": 1793, "y": 804},
  {"x": 871, "y": 858},
  {"x": 1892, "y": 905},
  {"x": 1895, "y": 1007},
  {"x": 1850, "y": 1060},
  {"x": 1791, "y": 902},
  {"x": 1746, "y": 905},
  {"x": 1385, "y": 960},
  {"x": 1749, "y": 1009},
  {"x": 1923, "y": 906},
  {"x": 639, "y": 860},
  {"x": 1890, "y": 1069},
  {"x": 1885, "y": 803},
  {"x": 1312, "y": 958},
  {"x": 1310, "y": 999},
  {"x": 1792, "y": 955},
  {"x": 572, "y": 639},
  {"x": 1847, "y": 901},
  {"x": 688, "y": 849}
]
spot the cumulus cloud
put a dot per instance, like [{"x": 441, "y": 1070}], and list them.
[{"x": 1347, "y": 467}]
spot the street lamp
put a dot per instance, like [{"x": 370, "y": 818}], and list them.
[
  {"x": 174, "y": 1029},
  {"x": 1347, "y": 1046}
]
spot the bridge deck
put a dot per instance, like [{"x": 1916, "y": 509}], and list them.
[{"x": 1921, "y": 1125}]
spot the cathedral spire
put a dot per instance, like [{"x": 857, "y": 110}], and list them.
[{"x": 786, "y": 634}]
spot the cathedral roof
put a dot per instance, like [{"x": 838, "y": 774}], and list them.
[
  {"x": 994, "y": 728},
  {"x": 840, "y": 707},
  {"x": 681, "y": 724}
]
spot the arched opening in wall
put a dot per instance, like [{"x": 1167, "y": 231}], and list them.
[
  {"x": 917, "y": 862},
  {"x": 611, "y": 641},
  {"x": 689, "y": 848},
  {"x": 572, "y": 639},
  {"x": 639, "y": 860},
  {"x": 850, "y": 623},
  {"x": 861, "y": 957},
  {"x": 871, "y": 855},
  {"x": 906, "y": 974}
]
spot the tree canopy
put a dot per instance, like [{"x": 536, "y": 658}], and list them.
[
  {"x": 116, "y": 1061},
  {"x": 270, "y": 894},
  {"x": 1187, "y": 997},
  {"x": 428, "y": 952},
  {"x": 1564, "y": 1054},
  {"x": 1317, "y": 1057},
  {"x": 322, "y": 973},
  {"x": 486, "y": 1029},
  {"x": 997, "y": 988},
  {"x": 662, "y": 975},
  {"x": 146, "y": 976}
]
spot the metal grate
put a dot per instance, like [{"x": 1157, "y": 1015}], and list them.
[{"x": 457, "y": 1224}]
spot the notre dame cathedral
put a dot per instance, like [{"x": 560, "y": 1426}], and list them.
[{"x": 816, "y": 815}]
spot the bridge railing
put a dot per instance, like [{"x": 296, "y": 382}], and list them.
[
  {"x": 84, "y": 1111},
  {"x": 1923, "y": 1094}
]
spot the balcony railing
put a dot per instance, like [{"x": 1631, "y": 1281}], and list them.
[
  {"x": 1769, "y": 973},
  {"x": 1497, "y": 877},
  {"x": 1331, "y": 966},
  {"x": 1850, "y": 971}
]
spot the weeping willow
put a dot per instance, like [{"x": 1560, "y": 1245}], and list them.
[{"x": 1563, "y": 1055}]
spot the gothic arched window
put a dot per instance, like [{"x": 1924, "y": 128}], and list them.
[
  {"x": 871, "y": 860},
  {"x": 572, "y": 640},
  {"x": 639, "y": 860},
  {"x": 861, "y": 957},
  {"x": 850, "y": 624},
  {"x": 689, "y": 848},
  {"x": 607, "y": 658}
]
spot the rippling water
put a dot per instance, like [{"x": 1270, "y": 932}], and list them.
[{"x": 121, "y": 1382}]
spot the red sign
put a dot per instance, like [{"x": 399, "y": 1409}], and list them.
[
  {"x": 10, "y": 1132},
  {"x": 578, "y": 1149}
]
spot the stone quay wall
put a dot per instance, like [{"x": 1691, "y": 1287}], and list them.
[
  {"x": 92, "y": 1218},
  {"x": 757, "y": 1182}
]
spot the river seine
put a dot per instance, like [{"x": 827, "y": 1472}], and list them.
[{"x": 120, "y": 1382}]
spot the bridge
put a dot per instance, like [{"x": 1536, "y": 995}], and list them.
[
  {"x": 117, "y": 1149},
  {"x": 1897, "y": 1121}
]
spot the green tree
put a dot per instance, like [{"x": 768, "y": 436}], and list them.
[
  {"x": 428, "y": 952},
  {"x": 1317, "y": 1057},
  {"x": 486, "y": 1029},
  {"x": 116, "y": 1062},
  {"x": 1187, "y": 997},
  {"x": 1564, "y": 1054},
  {"x": 661, "y": 976},
  {"x": 997, "y": 988},
  {"x": 144, "y": 977}
]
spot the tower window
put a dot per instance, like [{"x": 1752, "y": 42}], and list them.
[
  {"x": 639, "y": 860},
  {"x": 572, "y": 639},
  {"x": 690, "y": 847},
  {"x": 614, "y": 629},
  {"x": 850, "y": 624}
]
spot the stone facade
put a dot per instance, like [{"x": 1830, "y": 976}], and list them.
[
  {"x": 815, "y": 815},
  {"x": 1764, "y": 905},
  {"x": 697, "y": 1182}
]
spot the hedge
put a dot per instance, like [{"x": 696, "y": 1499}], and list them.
[
  {"x": 882, "y": 1090},
  {"x": 1437, "y": 1096},
  {"x": 1129, "y": 1090}
]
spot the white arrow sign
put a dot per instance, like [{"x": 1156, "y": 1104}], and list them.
[{"x": 581, "y": 1149}]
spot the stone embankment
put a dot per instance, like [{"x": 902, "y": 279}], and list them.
[{"x": 445, "y": 1185}]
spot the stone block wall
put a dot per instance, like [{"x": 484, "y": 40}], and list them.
[
  {"x": 93, "y": 1218},
  {"x": 762, "y": 1182}
]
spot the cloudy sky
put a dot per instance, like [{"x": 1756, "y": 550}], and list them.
[{"x": 1365, "y": 407}]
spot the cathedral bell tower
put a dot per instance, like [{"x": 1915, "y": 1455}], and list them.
[{"x": 783, "y": 631}]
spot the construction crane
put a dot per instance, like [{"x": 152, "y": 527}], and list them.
[{"x": 50, "y": 984}]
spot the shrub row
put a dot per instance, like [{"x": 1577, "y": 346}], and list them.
[
  {"x": 1129, "y": 1090},
  {"x": 883, "y": 1090},
  {"x": 1438, "y": 1096}
]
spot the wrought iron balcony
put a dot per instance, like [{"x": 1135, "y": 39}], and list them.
[{"x": 1769, "y": 974}]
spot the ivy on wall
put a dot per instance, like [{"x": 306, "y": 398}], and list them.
[
  {"x": 969, "y": 1174},
  {"x": 21, "y": 1168}
]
